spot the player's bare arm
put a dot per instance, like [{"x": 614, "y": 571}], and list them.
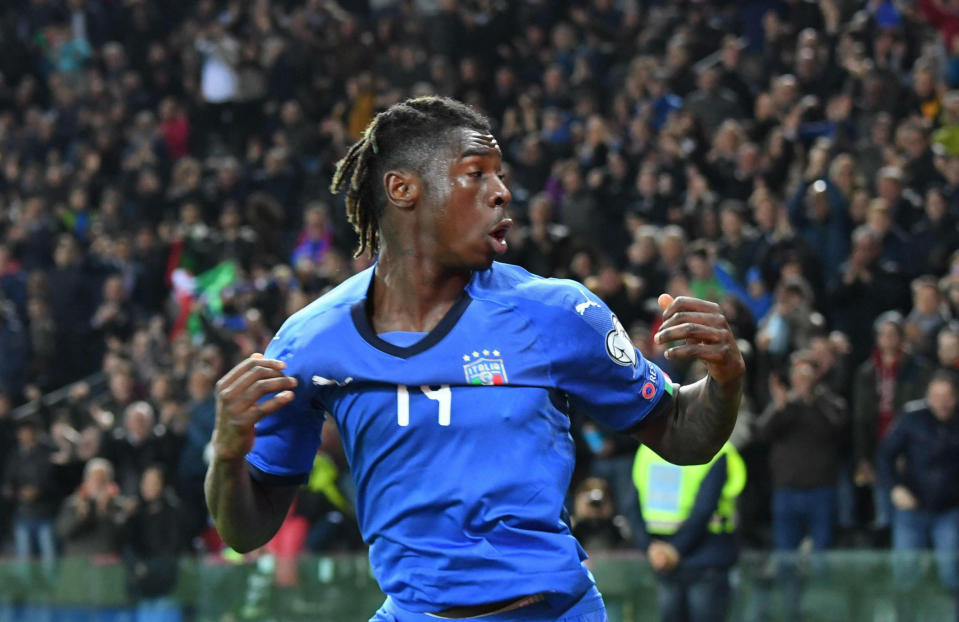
[
  {"x": 702, "y": 414},
  {"x": 247, "y": 514}
]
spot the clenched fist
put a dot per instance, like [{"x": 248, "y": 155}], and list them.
[
  {"x": 238, "y": 405},
  {"x": 706, "y": 333}
]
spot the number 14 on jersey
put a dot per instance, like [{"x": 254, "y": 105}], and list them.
[{"x": 442, "y": 395}]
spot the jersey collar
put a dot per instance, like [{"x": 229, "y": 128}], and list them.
[{"x": 430, "y": 339}]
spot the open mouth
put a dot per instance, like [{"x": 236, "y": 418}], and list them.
[
  {"x": 499, "y": 231},
  {"x": 498, "y": 234}
]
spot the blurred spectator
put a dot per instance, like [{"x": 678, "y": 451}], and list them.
[
  {"x": 278, "y": 180},
  {"x": 218, "y": 82},
  {"x": 778, "y": 245},
  {"x": 233, "y": 240},
  {"x": 803, "y": 425},
  {"x": 28, "y": 488},
  {"x": 835, "y": 369},
  {"x": 874, "y": 148},
  {"x": 621, "y": 291},
  {"x": 256, "y": 335},
  {"x": 738, "y": 243},
  {"x": 688, "y": 531},
  {"x": 579, "y": 211},
  {"x": 327, "y": 499},
  {"x": 121, "y": 385},
  {"x": 543, "y": 245},
  {"x": 926, "y": 318},
  {"x": 114, "y": 317},
  {"x": 935, "y": 236},
  {"x": 644, "y": 260},
  {"x": 89, "y": 521},
  {"x": 893, "y": 241},
  {"x": 648, "y": 204},
  {"x": 863, "y": 290},
  {"x": 77, "y": 448},
  {"x": 672, "y": 249},
  {"x": 950, "y": 286},
  {"x": 71, "y": 305},
  {"x": 920, "y": 459},
  {"x": 732, "y": 71},
  {"x": 175, "y": 128},
  {"x": 608, "y": 456},
  {"x": 15, "y": 344},
  {"x": 789, "y": 325},
  {"x": 711, "y": 102},
  {"x": 135, "y": 446},
  {"x": 8, "y": 444},
  {"x": 594, "y": 520},
  {"x": 193, "y": 457},
  {"x": 912, "y": 136},
  {"x": 153, "y": 539},
  {"x": 700, "y": 265},
  {"x": 820, "y": 213},
  {"x": 903, "y": 206},
  {"x": 66, "y": 47},
  {"x": 883, "y": 384},
  {"x": 947, "y": 349},
  {"x": 315, "y": 239}
]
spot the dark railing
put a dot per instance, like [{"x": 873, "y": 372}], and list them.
[{"x": 58, "y": 397}]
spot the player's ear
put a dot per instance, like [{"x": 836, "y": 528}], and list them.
[{"x": 403, "y": 188}]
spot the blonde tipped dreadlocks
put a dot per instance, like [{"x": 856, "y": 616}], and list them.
[
  {"x": 364, "y": 221},
  {"x": 400, "y": 136}
]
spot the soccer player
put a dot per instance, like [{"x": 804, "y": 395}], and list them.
[{"x": 450, "y": 377}]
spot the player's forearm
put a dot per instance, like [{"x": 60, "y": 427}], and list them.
[
  {"x": 246, "y": 514},
  {"x": 700, "y": 421}
]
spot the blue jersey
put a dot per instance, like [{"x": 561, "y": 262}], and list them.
[{"x": 459, "y": 443}]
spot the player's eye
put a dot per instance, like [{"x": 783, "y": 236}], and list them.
[
  {"x": 501, "y": 175},
  {"x": 476, "y": 174}
]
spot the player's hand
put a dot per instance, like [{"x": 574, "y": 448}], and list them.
[
  {"x": 708, "y": 336},
  {"x": 238, "y": 406}
]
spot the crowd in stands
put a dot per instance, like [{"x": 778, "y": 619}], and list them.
[{"x": 164, "y": 206}]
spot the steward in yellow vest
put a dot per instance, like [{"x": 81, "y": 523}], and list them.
[{"x": 689, "y": 522}]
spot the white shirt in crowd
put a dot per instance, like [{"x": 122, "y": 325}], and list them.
[{"x": 218, "y": 78}]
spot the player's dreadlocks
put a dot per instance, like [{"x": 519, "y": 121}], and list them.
[{"x": 403, "y": 135}]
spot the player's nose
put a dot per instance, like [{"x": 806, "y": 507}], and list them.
[{"x": 501, "y": 196}]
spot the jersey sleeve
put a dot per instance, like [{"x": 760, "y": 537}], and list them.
[
  {"x": 287, "y": 440},
  {"x": 593, "y": 360}
]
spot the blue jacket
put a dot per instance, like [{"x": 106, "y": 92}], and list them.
[
  {"x": 831, "y": 237},
  {"x": 931, "y": 451}
]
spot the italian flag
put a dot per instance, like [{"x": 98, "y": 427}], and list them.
[{"x": 204, "y": 288}]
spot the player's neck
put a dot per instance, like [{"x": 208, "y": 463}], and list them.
[{"x": 413, "y": 293}]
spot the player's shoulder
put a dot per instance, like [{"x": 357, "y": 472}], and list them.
[
  {"x": 324, "y": 315},
  {"x": 515, "y": 286}
]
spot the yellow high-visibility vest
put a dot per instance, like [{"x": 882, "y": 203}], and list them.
[{"x": 667, "y": 492}]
